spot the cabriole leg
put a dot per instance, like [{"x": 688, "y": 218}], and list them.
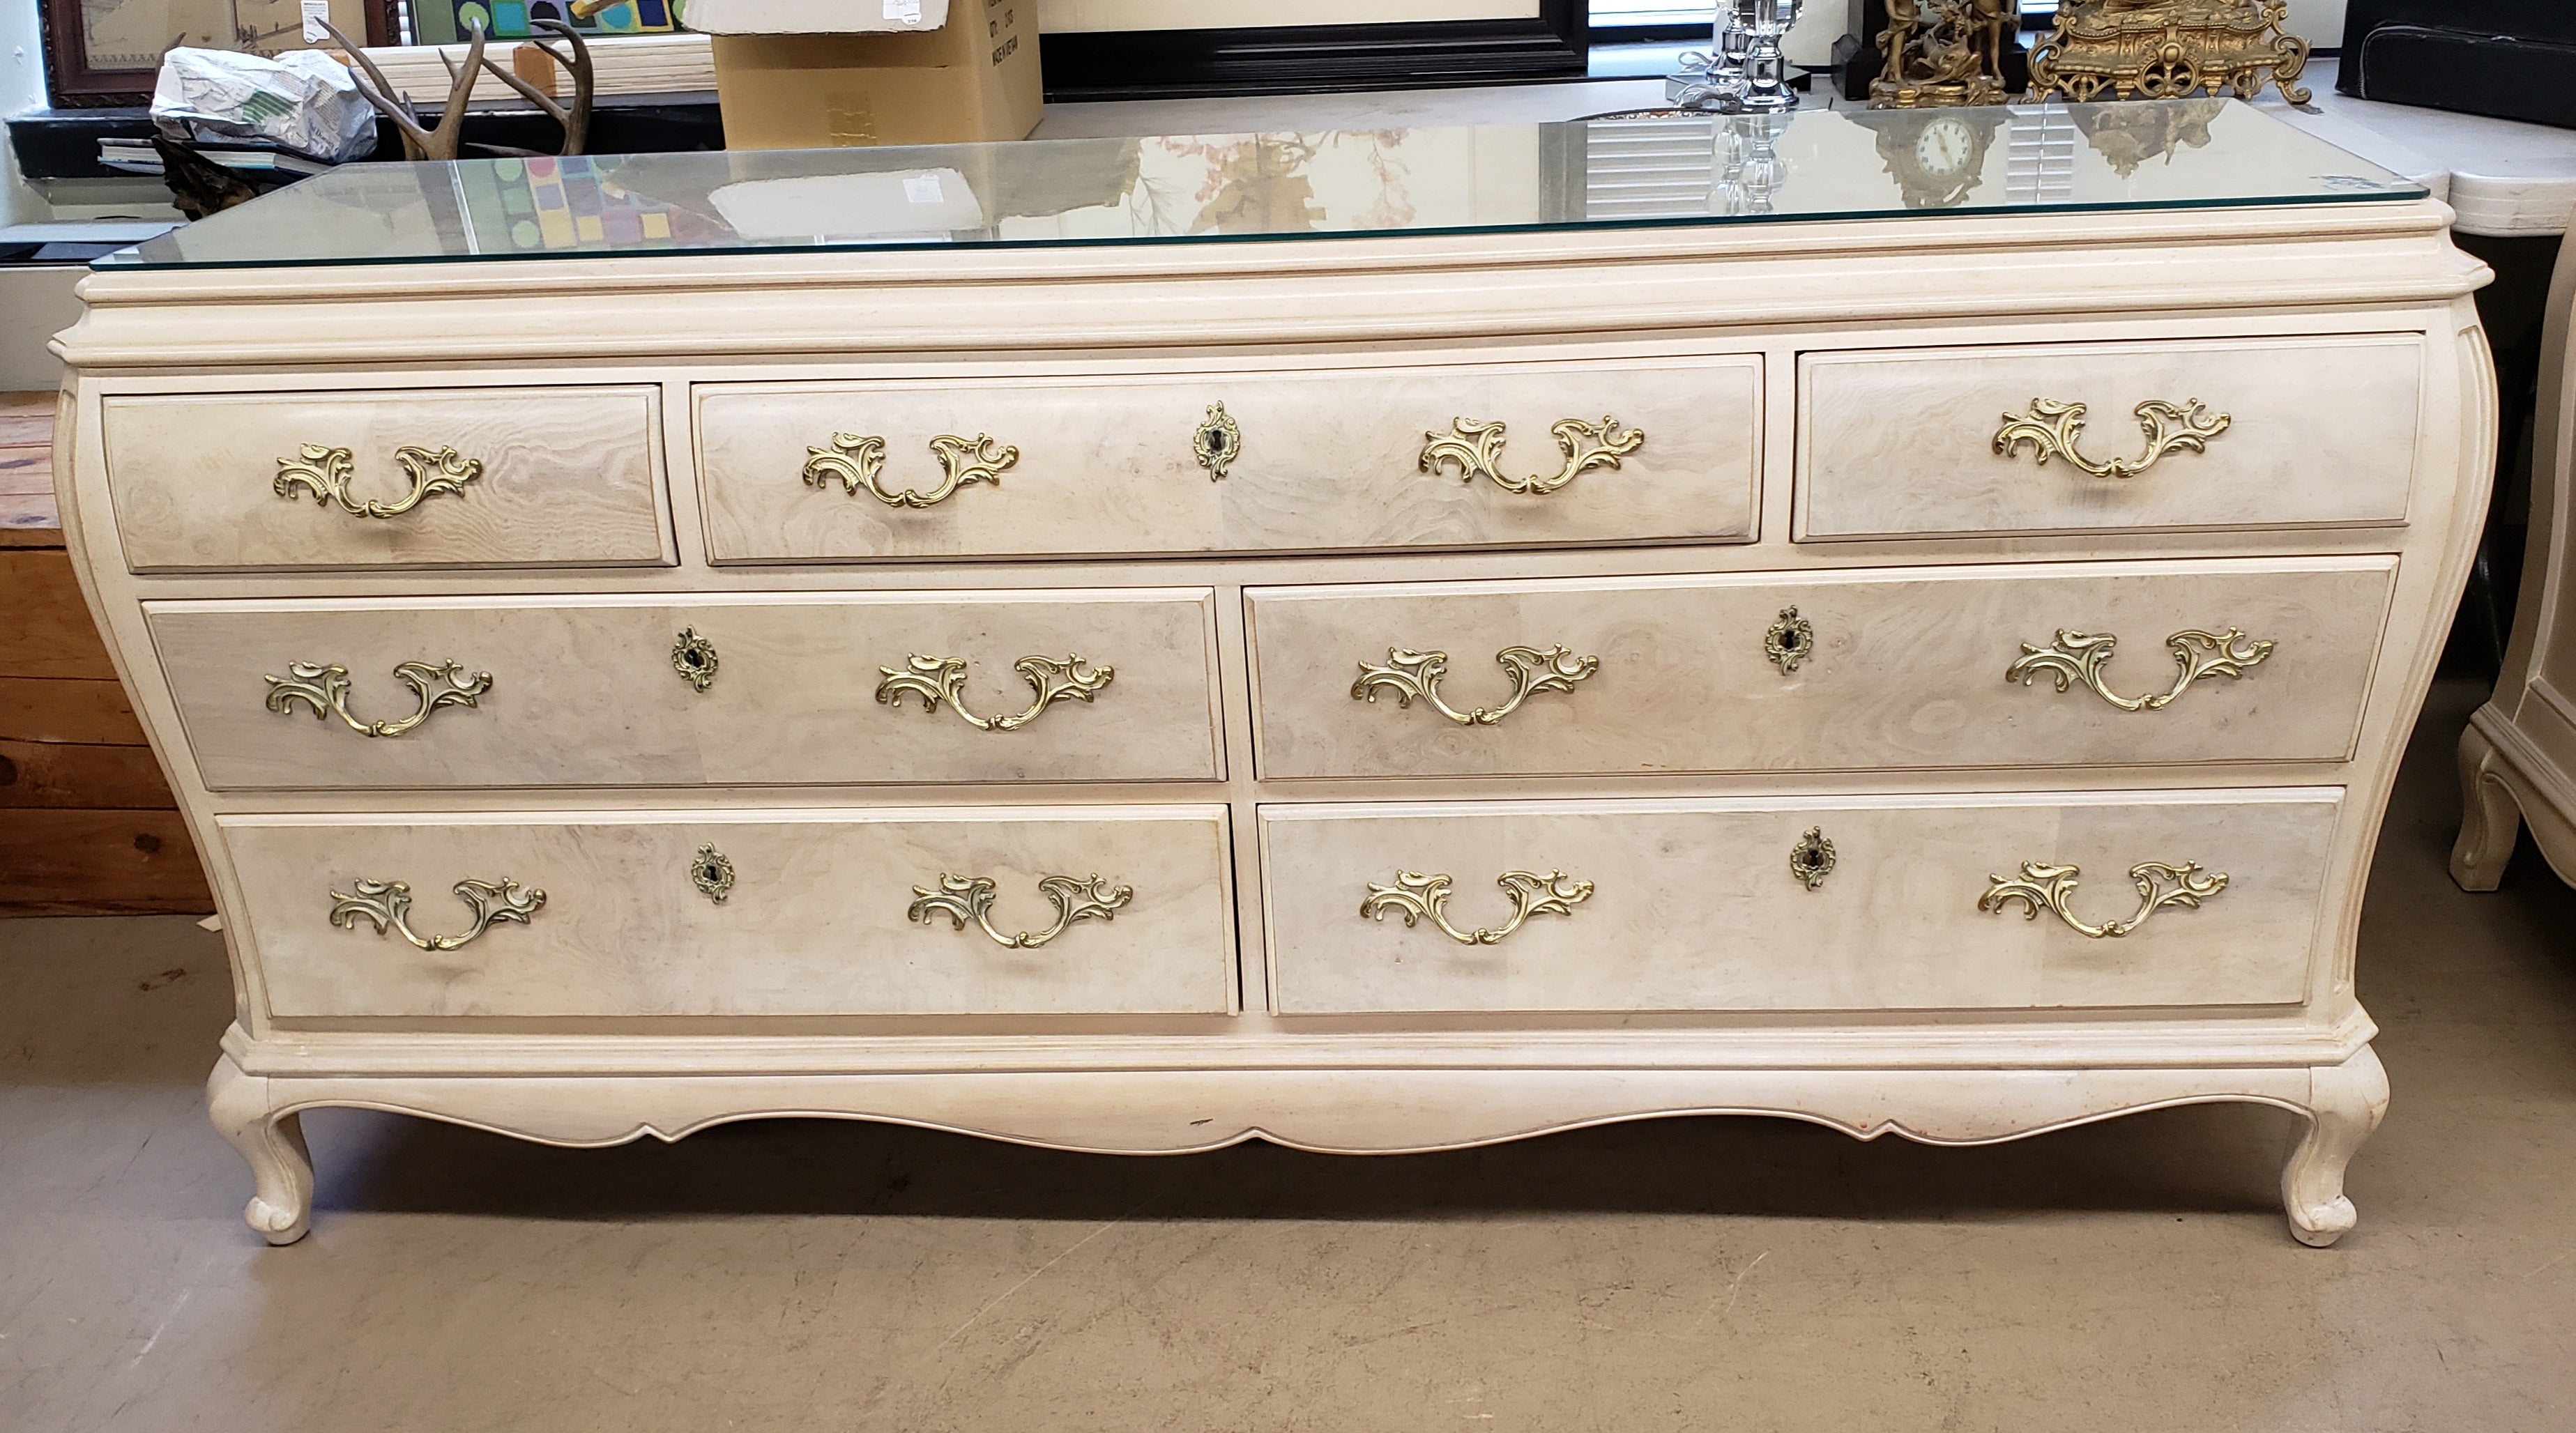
[
  {"x": 2345, "y": 1103},
  {"x": 2489, "y": 818},
  {"x": 281, "y": 1168}
]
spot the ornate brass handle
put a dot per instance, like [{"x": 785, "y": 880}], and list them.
[
  {"x": 1417, "y": 674},
  {"x": 1476, "y": 450},
  {"x": 965, "y": 898},
  {"x": 388, "y": 904},
  {"x": 2052, "y": 429},
  {"x": 2051, "y": 887},
  {"x": 326, "y": 690},
  {"x": 1418, "y": 897},
  {"x": 858, "y": 461},
  {"x": 327, "y": 472},
  {"x": 2080, "y": 656},
  {"x": 940, "y": 679}
]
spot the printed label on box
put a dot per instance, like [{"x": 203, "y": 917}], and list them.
[
  {"x": 317, "y": 11},
  {"x": 906, "y": 11}
]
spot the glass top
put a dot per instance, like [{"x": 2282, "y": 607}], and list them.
[{"x": 1654, "y": 169}]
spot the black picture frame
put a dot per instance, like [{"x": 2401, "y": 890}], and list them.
[
  {"x": 71, "y": 82},
  {"x": 1164, "y": 64}
]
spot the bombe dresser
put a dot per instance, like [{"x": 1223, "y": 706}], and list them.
[{"x": 1377, "y": 642}]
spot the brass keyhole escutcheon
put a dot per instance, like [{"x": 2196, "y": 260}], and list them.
[
  {"x": 1790, "y": 641},
  {"x": 1217, "y": 443},
  {"x": 711, "y": 873},
  {"x": 1812, "y": 859},
  {"x": 694, "y": 658}
]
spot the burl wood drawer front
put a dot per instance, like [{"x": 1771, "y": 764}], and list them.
[
  {"x": 1696, "y": 905},
  {"x": 1888, "y": 669},
  {"x": 2319, "y": 432},
  {"x": 1118, "y": 685},
  {"x": 497, "y": 477},
  {"x": 820, "y": 914},
  {"x": 1310, "y": 462}
]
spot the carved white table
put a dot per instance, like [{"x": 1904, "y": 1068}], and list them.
[{"x": 1375, "y": 642}]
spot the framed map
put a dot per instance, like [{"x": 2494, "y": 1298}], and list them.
[{"x": 106, "y": 52}]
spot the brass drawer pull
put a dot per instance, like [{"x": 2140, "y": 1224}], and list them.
[
  {"x": 1418, "y": 897},
  {"x": 2052, "y": 429},
  {"x": 388, "y": 905},
  {"x": 326, "y": 690},
  {"x": 965, "y": 898},
  {"x": 2080, "y": 657},
  {"x": 1476, "y": 450},
  {"x": 858, "y": 461},
  {"x": 2052, "y": 887},
  {"x": 1413, "y": 674},
  {"x": 940, "y": 679},
  {"x": 327, "y": 472},
  {"x": 1217, "y": 443}
]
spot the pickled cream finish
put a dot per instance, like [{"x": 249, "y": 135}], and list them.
[
  {"x": 1795, "y": 382},
  {"x": 1907, "y": 670},
  {"x": 571, "y": 477},
  {"x": 583, "y": 693},
  {"x": 1323, "y": 462},
  {"x": 813, "y": 925},
  {"x": 1676, "y": 884},
  {"x": 2321, "y": 433}
]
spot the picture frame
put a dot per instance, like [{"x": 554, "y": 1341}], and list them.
[{"x": 107, "y": 56}]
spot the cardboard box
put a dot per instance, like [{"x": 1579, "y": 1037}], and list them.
[{"x": 974, "y": 78}]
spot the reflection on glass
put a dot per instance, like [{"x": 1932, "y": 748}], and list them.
[{"x": 1671, "y": 168}]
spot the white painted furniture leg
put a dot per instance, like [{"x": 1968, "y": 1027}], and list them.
[
  {"x": 281, "y": 1167},
  {"x": 2345, "y": 1103},
  {"x": 2490, "y": 818}
]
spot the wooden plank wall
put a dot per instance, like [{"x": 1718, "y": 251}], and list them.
[{"x": 87, "y": 825}]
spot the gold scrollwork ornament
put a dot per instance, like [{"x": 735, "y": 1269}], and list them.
[
  {"x": 1217, "y": 443},
  {"x": 2045, "y": 887},
  {"x": 1418, "y": 897},
  {"x": 387, "y": 904},
  {"x": 694, "y": 658},
  {"x": 857, "y": 461},
  {"x": 711, "y": 873},
  {"x": 965, "y": 898},
  {"x": 942, "y": 679},
  {"x": 2053, "y": 429},
  {"x": 1812, "y": 859},
  {"x": 1476, "y": 450},
  {"x": 326, "y": 473},
  {"x": 2080, "y": 656},
  {"x": 1790, "y": 641},
  {"x": 1410, "y": 674},
  {"x": 326, "y": 690}
]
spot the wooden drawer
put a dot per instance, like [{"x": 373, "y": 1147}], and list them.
[
  {"x": 814, "y": 922},
  {"x": 2321, "y": 432},
  {"x": 1694, "y": 905},
  {"x": 1323, "y": 461},
  {"x": 1904, "y": 668},
  {"x": 568, "y": 477},
  {"x": 585, "y": 691}
]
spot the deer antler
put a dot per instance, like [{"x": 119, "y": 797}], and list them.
[
  {"x": 418, "y": 142},
  {"x": 576, "y": 119}
]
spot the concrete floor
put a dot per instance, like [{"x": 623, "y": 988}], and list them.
[{"x": 1684, "y": 1274}]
